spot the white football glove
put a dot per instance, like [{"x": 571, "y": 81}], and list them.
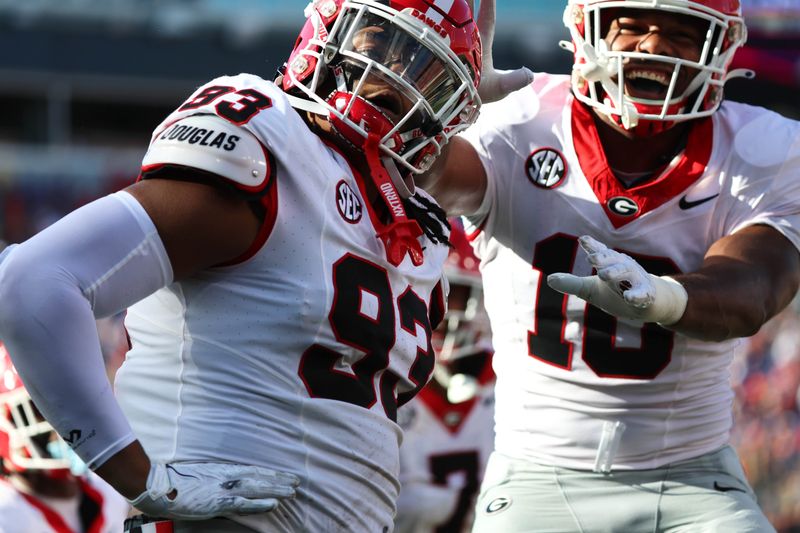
[
  {"x": 208, "y": 490},
  {"x": 623, "y": 288},
  {"x": 496, "y": 84}
]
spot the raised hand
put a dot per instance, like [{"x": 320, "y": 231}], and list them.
[{"x": 496, "y": 84}]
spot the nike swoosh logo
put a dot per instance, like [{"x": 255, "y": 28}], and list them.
[
  {"x": 724, "y": 488},
  {"x": 686, "y": 204}
]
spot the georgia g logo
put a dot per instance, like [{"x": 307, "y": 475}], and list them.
[
  {"x": 348, "y": 203},
  {"x": 622, "y": 206},
  {"x": 498, "y": 504},
  {"x": 546, "y": 168}
]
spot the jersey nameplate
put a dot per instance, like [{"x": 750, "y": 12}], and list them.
[{"x": 213, "y": 144}]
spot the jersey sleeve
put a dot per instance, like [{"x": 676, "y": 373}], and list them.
[
  {"x": 214, "y": 145},
  {"x": 482, "y": 136},
  {"x": 767, "y": 190},
  {"x": 502, "y": 130},
  {"x": 228, "y": 129}
]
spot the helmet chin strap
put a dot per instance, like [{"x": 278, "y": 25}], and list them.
[
  {"x": 307, "y": 105},
  {"x": 401, "y": 235},
  {"x": 400, "y": 184}
]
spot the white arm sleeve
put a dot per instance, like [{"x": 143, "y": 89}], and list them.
[{"x": 94, "y": 262}]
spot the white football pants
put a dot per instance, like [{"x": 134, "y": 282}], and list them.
[{"x": 708, "y": 494}]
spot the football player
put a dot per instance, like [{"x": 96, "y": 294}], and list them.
[
  {"x": 282, "y": 276},
  {"x": 632, "y": 226},
  {"x": 45, "y": 487},
  {"x": 447, "y": 427}
]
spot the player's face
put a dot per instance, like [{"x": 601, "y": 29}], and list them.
[
  {"x": 657, "y": 33},
  {"x": 374, "y": 42}
]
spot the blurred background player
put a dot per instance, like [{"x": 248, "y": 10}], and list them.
[
  {"x": 45, "y": 487},
  {"x": 448, "y": 428}
]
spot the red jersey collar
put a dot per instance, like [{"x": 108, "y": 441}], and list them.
[{"x": 647, "y": 196}]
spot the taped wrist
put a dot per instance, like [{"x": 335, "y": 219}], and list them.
[{"x": 670, "y": 301}]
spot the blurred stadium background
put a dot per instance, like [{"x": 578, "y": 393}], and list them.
[{"x": 83, "y": 83}]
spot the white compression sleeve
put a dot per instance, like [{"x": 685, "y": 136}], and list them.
[{"x": 94, "y": 262}]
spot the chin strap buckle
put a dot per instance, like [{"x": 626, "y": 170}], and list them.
[{"x": 400, "y": 236}]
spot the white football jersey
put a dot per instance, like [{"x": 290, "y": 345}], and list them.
[
  {"x": 564, "y": 368},
  {"x": 296, "y": 356},
  {"x": 104, "y": 510},
  {"x": 443, "y": 457}
]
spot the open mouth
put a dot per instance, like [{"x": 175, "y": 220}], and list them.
[
  {"x": 388, "y": 102},
  {"x": 647, "y": 83}
]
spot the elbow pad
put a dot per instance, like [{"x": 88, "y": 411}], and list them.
[{"x": 94, "y": 262}]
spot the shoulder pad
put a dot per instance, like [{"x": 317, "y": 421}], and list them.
[
  {"x": 211, "y": 143},
  {"x": 764, "y": 138}
]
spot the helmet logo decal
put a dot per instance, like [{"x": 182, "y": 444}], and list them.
[
  {"x": 326, "y": 8},
  {"x": 622, "y": 206},
  {"x": 546, "y": 168},
  {"x": 299, "y": 65},
  {"x": 577, "y": 15},
  {"x": 348, "y": 203}
]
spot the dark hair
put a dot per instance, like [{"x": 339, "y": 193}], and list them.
[{"x": 430, "y": 217}]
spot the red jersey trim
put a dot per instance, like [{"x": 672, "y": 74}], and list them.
[
  {"x": 270, "y": 204},
  {"x": 93, "y": 494},
  {"x": 435, "y": 398},
  {"x": 56, "y": 521},
  {"x": 436, "y": 401},
  {"x": 647, "y": 196},
  {"x": 471, "y": 236},
  {"x": 269, "y": 201}
]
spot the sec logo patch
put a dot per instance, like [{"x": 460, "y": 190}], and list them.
[
  {"x": 348, "y": 203},
  {"x": 546, "y": 168}
]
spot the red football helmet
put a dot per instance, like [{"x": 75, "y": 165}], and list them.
[
  {"x": 462, "y": 341},
  {"x": 597, "y": 70},
  {"x": 27, "y": 440},
  {"x": 428, "y": 54},
  {"x": 465, "y": 328}
]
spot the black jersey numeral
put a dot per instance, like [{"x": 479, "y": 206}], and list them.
[
  {"x": 239, "y": 112},
  {"x": 547, "y": 343},
  {"x": 445, "y": 465},
  {"x": 375, "y": 336}
]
